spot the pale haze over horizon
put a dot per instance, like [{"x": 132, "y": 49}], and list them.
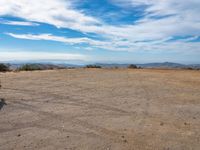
[{"x": 100, "y": 31}]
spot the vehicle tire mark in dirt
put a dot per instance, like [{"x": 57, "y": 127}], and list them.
[{"x": 75, "y": 101}]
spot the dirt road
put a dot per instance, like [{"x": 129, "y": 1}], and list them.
[{"x": 100, "y": 109}]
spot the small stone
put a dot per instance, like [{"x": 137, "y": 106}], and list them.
[
  {"x": 186, "y": 124},
  {"x": 161, "y": 123},
  {"x": 125, "y": 141},
  {"x": 19, "y": 135}
]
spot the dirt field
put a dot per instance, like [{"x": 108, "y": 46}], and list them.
[{"x": 100, "y": 109}]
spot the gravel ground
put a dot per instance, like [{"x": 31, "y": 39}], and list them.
[{"x": 100, "y": 109}]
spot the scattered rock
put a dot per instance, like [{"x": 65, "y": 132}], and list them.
[
  {"x": 185, "y": 123},
  {"x": 19, "y": 135},
  {"x": 125, "y": 141},
  {"x": 161, "y": 123}
]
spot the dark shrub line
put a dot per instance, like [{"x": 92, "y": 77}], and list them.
[
  {"x": 4, "y": 67},
  {"x": 132, "y": 66},
  {"x": 93, "y": 66},
  {"x": 29, "y": 67}
]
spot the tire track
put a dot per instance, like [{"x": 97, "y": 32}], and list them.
[
  {"x": 96, "y": 130},
  {"x": 79, "y": 102}
]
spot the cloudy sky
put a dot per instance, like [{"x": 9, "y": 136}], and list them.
[{"x": 110, "y": 31}]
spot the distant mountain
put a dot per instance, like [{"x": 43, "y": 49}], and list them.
[
  {"x": 44, "y": 66},
  {"x": 162, "y": 65},
  {"x": 195, "y": 66},
  {"x": 167, "y": 65},
  {"x": 112, "y": 65}
]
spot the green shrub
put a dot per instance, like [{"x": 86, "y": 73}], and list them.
[
  {"x": 132, "y": 66},
  {"x": 190, "y": 68},
  {"x": 4, "y": 68},
  {"x": 93, "y": 66},
  {"x": 29, "y": 67}
]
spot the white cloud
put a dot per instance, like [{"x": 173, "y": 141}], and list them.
[
  {"x": 182, "y": 20},
  {"x": 18, "y": 23},
  {"x": 24, "y": 56},
  {"x": 50, "y": 37},
  {"x": 56, "y": 12},
  {"x": 119, "y": 45}
]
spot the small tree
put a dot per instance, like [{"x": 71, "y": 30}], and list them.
[
  {"x": 29, "y": 67},
  {"x": 0, "y": 84},
  {"x": 93, "y": 66},
  {"x": 132, "y": 66},
  {"x": 4, "y": 68}
]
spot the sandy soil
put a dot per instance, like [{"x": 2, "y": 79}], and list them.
[{"x": 100, "y": 109}]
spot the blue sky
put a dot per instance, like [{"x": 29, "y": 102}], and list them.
[{"x": 107, "y": 31}]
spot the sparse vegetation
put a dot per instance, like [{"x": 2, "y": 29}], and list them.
[
  {"x": 132, "y": 66},
  {"x": 190, "y": 68},
  {"x": 4, "y": 68},
  {"x": 2, "y": 103},
  {"x": 116, "y": 67},
  {"x": 29, "y": 67},
  {"x": 93, "y": 66},
  {"x": 33, "y": 67}
]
